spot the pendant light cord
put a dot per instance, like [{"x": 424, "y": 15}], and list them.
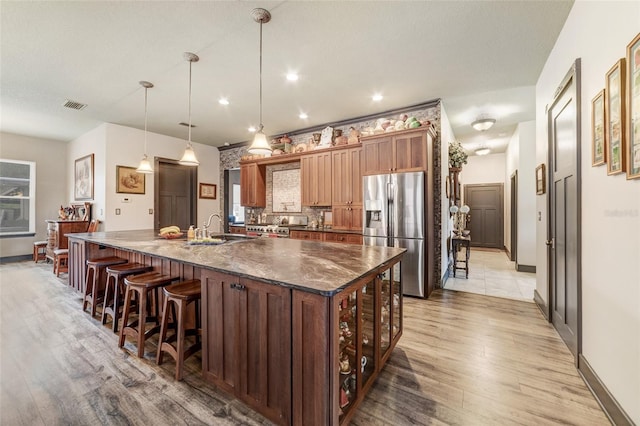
[
  {"x": 145, "y": 121},
  {"x": 190, "y": 63},
  {"x": 261, "y": 75}
]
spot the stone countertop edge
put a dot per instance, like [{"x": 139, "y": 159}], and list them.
[{"x": 314, "y": 267}]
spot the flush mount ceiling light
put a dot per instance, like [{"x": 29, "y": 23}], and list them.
[
  {"x": 260, "y": 144},
  {"x": 482, "y": 151},
  {"x": 482, "y": 124},
  {"x": 189, "y": 156},
  {"x": 145, "y": 166}
]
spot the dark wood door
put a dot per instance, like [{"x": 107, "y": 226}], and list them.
[
  {"x": 175, "y": 202},
  {"x": 485, "y": 219},
  {"x": 564, "y": 211},
  {"x": 513, "y": 255}
]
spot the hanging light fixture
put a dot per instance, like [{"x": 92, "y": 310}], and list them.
[
  {"x": 483, "y": 123},
  {"x": 260, "y": 144},
  {"x": 189, "y": 157},
  {"x": 145, "y": 166}
]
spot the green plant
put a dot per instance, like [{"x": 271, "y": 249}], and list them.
[{"x": 457, "y": 156}]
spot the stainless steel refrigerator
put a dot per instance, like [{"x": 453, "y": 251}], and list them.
[{"x": 394, "y": 217}]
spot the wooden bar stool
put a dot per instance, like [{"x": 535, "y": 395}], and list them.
[
  {"x": 143, "y": 285},
  {"x": 60, "y": 261},
  {"x": 180, "y": 295},
  {"x": 39, "y": 251},
  {"x": 91, "y": 284},
  {"x": 113, "y": 289}
]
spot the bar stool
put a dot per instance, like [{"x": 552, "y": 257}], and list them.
[
  {"x": 142, "y": 285},
  {"x": 91, "y": 290},
  {"x": 180, "y": 294},
  {"x": 39, "y": 251},
  {"x": 60, "y": 261},
  {"x": 111, "y": 302}
]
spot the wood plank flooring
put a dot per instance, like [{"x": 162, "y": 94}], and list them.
[{"x": 464, "y": 359}]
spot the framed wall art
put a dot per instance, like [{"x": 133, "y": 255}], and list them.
[
  {"x": 615, "y": 118},
  {"x": 633, "y": 109},
  {"x": 207, "y": 191},
  {"x": 541, "y": 180},
  {"x": 83, "y": 178},
  {"x": 598, "y": 152},
  {"x": 129, "y": 181}
]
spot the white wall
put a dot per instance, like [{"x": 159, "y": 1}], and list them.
[
  {"x": 125, "y": 148},
  {"x": 598, "y": 32},
  {"x": 526, "y": 252},
  {"x": 483, "y": 169},
  {"x": 51, "y": 165},
  {"x": 446, "y": 137}
]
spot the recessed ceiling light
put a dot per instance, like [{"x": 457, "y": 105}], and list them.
[
  {"x": 303, "y": 115},
  {"x": 252, "y": 129},
  {"x": 223, "y": 101},
  {"x": 292, "y": 76},
  {"x": 377, "y": 97}
]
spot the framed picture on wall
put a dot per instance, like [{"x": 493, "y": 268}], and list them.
[
  {"x": 615, "y": 118},
  {"x": 598, "y": 152},
  {"x": 83, "y": 178},
  {"x": 541, "y": 180},
  {"x": 207, "y": 191},
  {"x": 633, "y": 109},
  {"x": 129, "y": 181}
]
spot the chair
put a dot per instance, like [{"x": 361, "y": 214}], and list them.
[
  {"x": 92, "y": 292},
  {"x": 113, "y": 290},
  {"x": 61, "y": 256},
  {"x": 39, "y": 251},
  {"x": 180, "y": 294},
  {"x": 143, "y": 285},
  {"x": 93, "y": 225}
]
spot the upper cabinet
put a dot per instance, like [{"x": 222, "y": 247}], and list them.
[
  {"x": 394, "y": 153},
  {"x": 253, "y": 185},
  {"x": 315, "y": 171},
  {"x": 347, "y": 180}
]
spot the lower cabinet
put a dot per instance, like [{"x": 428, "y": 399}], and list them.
[
  {"x": 247, "y": 341},
  {"x": 333, "y": 237},
  {"x": 306, "y": 235}
]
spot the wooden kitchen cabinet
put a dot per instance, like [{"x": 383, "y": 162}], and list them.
[
  {"x": 347, "y": 177},
  {"x": 306, "y": 235},
  {"x": 336, "y": 237},
  {"x": 247, "y": 341},
  {"x": 253, "y": 184},
  {"x": 315, "y": 171},
  {"x": 404, "y": 151},
  {"x": 347, "y": 217}
]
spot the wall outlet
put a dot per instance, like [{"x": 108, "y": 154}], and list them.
[
  {"x": 150, "y": 211},
  {"x": 117, "y": 212},
  {"x": 126, "y": 200}
]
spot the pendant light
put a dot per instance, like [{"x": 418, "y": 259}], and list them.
[
  {"x": 189, "y": 157},
  {"x": 260, "y": 144},
  {"x": 145, "y": 166}
]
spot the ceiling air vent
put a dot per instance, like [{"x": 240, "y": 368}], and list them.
[
  {"x": 74, "y": 105},
  {"x": 186, "y": 124}
]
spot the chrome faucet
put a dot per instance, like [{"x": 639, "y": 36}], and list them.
[{"x": 207, "y": 224}]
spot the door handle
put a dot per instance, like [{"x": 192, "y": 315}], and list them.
[{"x": 551, "y": 243}]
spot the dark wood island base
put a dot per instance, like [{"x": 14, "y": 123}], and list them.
[{"x": 299, "y": 341}]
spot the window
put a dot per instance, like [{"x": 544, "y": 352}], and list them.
[
  {"x": 17, "y": 197},
  {"x": 238, "y": 210}
]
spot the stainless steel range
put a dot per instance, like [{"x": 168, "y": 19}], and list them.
[{"x": 267, "y": 231}]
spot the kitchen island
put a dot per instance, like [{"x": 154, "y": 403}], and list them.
[{"x": 296, "y": 329}]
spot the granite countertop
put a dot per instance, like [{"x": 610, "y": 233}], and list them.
[{"x": 324, "y": 268}]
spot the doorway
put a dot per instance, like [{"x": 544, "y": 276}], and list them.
[
  {"x": 513, "y": 232},
  {"x": 485, "y": 218},
  {"x": 175, "y": 189},
  {"x": 563, "y": 124}
]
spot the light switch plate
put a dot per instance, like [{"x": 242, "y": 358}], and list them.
[
  {"x": 117, "y": 212},
  {"x": 150, "y": 211}
]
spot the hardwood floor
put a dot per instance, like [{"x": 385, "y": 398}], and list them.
[{"x": 464, "y": 359}]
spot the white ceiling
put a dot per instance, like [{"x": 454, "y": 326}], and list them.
[{"x": 480, "y": 57}]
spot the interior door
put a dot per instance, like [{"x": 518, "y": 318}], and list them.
[
  {"x": 485, "y": 219},
  {"x": 175, "y": 201},
  {"x": 564, "y": 210}
]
